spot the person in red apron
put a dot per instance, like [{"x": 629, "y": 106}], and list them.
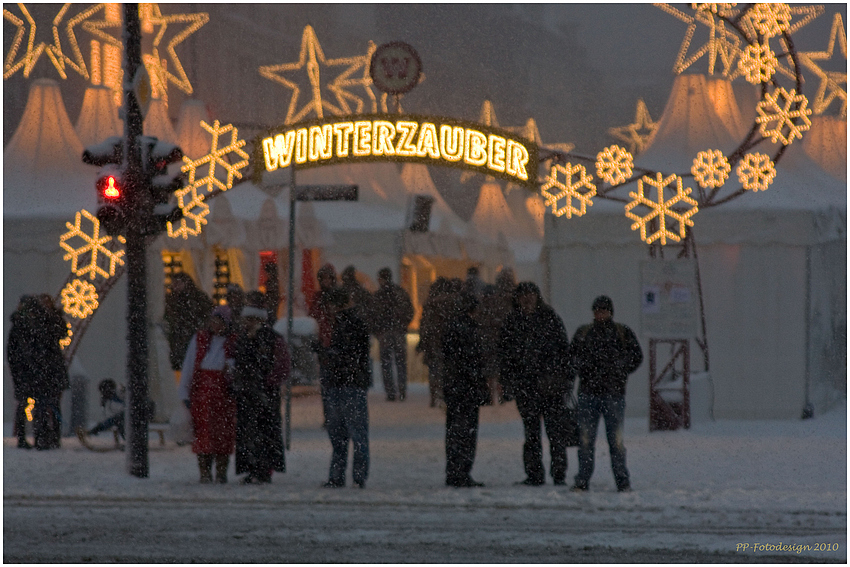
[{"x": 205, "y": 390}]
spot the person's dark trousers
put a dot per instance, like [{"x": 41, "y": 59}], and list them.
[
  {"x": 393, "y": 349},
  {"x": 116, "y": 420},
  {"x": 551, "y": 410},
  {"x": 46, "y": 424},
  {"x": 20, "y": 421},
  {"x": 612, "y": 410},
  {"x": 461, "y": 439},
  {"x": 348, "y": 418},
  {"x": 323, "y": 390}
]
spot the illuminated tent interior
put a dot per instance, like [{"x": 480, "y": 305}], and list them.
[{"x": 785, "y": 246}]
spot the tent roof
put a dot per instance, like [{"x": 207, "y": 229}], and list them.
[
  {"x": 158, "y": 124},
  {"x": 98, "y": 117},
  {"x": 696, "y": 118},
  {"x": 43, "y": 174}
]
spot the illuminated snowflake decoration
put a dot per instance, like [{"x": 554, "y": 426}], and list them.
[
  {"x": 79, "y": 299},
  {"x": 720, "y": 8},
  {"x": 776, "y": 114},
  {"x": 189, "y": 199},
  {"x": 756, "y": 172},
  {"x": 560, "y": 194},
  {"x": 66, "y": 342},
  {"x": 195, "y": 211},
  {"x": 711, "y": 169},
  {"x": 84, "y": 259},
  {"x": 757, "y": 63},
  {"x": 770, "y": 19},
  {"x": 662, "y": 208},
  {"x": 217, "y": 157},
  {"x": 614, "y": 165}
]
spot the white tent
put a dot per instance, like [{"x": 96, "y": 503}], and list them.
[{"x": 772, "y": 266}]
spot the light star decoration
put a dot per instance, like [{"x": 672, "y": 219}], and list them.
[
  {"x": 153, "y": 18},
  {"x": 636, "y": 135},
  {"x": 312, "y": 65},
  {"x": 560, "y": 194},
  {"x": 722, "y": 43},
  {"x": 662, "y": 208},
  {"x": 54, "y": 51},
  {"x": 830, "y": 87}
]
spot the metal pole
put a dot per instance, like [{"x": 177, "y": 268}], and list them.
[
  {"x": 290, "y": 291},
  {"x": 137, "y": 344}
]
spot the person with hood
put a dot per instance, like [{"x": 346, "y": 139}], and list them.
[
  {"x": 205, "y": 391},
  {"x": 535, "y": 371},
  {"x": 392, "y": 312},
  {"x": 260, "y": 365},
  {"x": 349, "y": 378},
  {"x": 604, "y": 353},
  {"x": 464, "y": 390},
  {"x": 186, "y": 310}
]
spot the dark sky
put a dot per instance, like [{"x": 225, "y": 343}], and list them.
[{"x": 578, "y": 69}]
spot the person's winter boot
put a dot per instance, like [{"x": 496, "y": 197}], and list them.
[
  {"x": 221, "y": 463},
  {"x": 205, "y": 465}
]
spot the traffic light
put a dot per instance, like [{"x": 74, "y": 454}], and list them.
[
  {"x": 110, "y": 184},
  {"x": 111, "y": 200},
  {"x": 162, "y": 178}
]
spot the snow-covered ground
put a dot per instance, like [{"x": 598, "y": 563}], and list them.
[{"x": 699, "y": 495}]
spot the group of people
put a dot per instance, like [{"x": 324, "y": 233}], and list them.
[
  {"x": 231, "y": 374},
  {"x": 38, "y": 369},
  {"x": 504, "y": 341}
]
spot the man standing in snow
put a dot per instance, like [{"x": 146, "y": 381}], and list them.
[
  {"x": 392, "y": 312},
  {"x": 349, "y": 377},
  {"x": 464, "y": 390},
  {"x": 535, "y": 370},
  {"x": 604, "y": 354}
]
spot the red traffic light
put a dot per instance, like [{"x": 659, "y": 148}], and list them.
[{"x": 109, "y": 186}]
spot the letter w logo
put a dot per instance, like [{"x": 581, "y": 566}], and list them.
[{"x": 395, "y": 66}]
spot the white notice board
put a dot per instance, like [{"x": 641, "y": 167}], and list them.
[{"x": 668, "y": 302}]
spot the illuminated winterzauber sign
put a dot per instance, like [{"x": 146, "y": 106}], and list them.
[{"x": 423, "y": 139}]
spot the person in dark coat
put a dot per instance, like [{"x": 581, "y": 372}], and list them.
[
  {"x": 260, "y": 365},
  {"x": 535, "y": 371},
  {"x": 186, "y": 310},
  {"x": 21, "y": 354},
  {"x": 436, "y": 312},
  {"x": 360, "y": 296},
  {"x": 320, "y": 310},
  {"x": 38, "y": 368},
  {"x": 464, "y": 390},
  {"x": 392, "y": 312},
  {"x": 496, "y": 305},
  {"x": 604, "y": 353},
  {"x": 349, "y": 377}
]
